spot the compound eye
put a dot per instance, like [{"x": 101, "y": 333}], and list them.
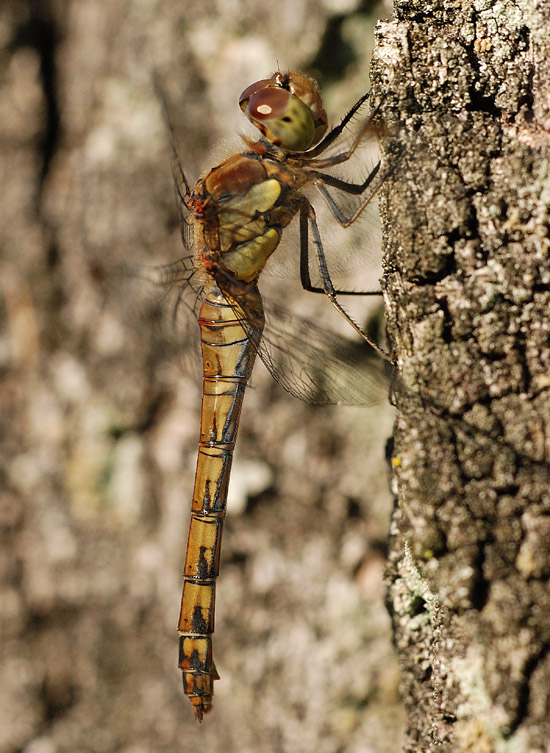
[
  {"x": 252, "y": 89},
  {"x": 269, "y": 104},
  {"x": 283, "y": 118}
]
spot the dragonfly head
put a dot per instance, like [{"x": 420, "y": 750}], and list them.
[{"x": 288, "y": 110}]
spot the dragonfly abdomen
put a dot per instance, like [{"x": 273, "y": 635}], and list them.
[{"x": 228, "y": 357}]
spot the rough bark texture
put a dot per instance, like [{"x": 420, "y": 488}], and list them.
[
  {"x": 99, "y": 430},
  {"x": 467, "y": 287}
]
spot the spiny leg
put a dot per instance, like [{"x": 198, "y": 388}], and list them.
[
  {"x": 343, "y": 185},
  {"x": 337, "y": 130},
  {"x": 337, "y": 159},
  {"x": 308, "y": 221},
  {"x": 305, "y": 219},
  {"x": 373, "y": 183}
]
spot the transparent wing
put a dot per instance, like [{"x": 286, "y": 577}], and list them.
[
  {"x": 317, "y": 365},
  {"x": 310, "y": 362},
  {"x": 182, "y": 189},
  {"x": 160, "y": 302}
]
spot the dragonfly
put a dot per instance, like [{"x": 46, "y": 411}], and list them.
[{"x": 233, "y": 219}]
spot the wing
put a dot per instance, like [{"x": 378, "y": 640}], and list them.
[
  {"x": 182, "y": 187},
  {"x": 318, "y": 366},
  {"x": 310, "y": 362}
]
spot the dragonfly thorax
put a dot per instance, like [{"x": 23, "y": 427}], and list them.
[{"x": 241, "y": 207}]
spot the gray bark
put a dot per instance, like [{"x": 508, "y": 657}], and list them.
[{"x": 463, "y": 88}]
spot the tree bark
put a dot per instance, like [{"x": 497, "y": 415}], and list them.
[{"x": 463, "y": 88}]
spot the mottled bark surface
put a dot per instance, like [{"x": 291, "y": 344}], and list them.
[
  {"x": 99, "y": 426},
  {"x": 467, "y": 286}
]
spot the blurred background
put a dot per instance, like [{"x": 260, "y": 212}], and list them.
[{"x": 99, "y": 422}]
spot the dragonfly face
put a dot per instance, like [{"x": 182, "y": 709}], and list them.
[{"x": 288, "y": 110}]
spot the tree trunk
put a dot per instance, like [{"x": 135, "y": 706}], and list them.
[{"x": 463, "y": 87}]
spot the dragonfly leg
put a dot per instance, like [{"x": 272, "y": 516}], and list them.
[
  {"x": 353, "y": 188},
  {"x": 373, "y": 182},
  {"x": 337, "y": 130},
  {"x": 337, "y": 159},
  {"x": 308, "y": 222},
  {"x": 307, "y": 215}
]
